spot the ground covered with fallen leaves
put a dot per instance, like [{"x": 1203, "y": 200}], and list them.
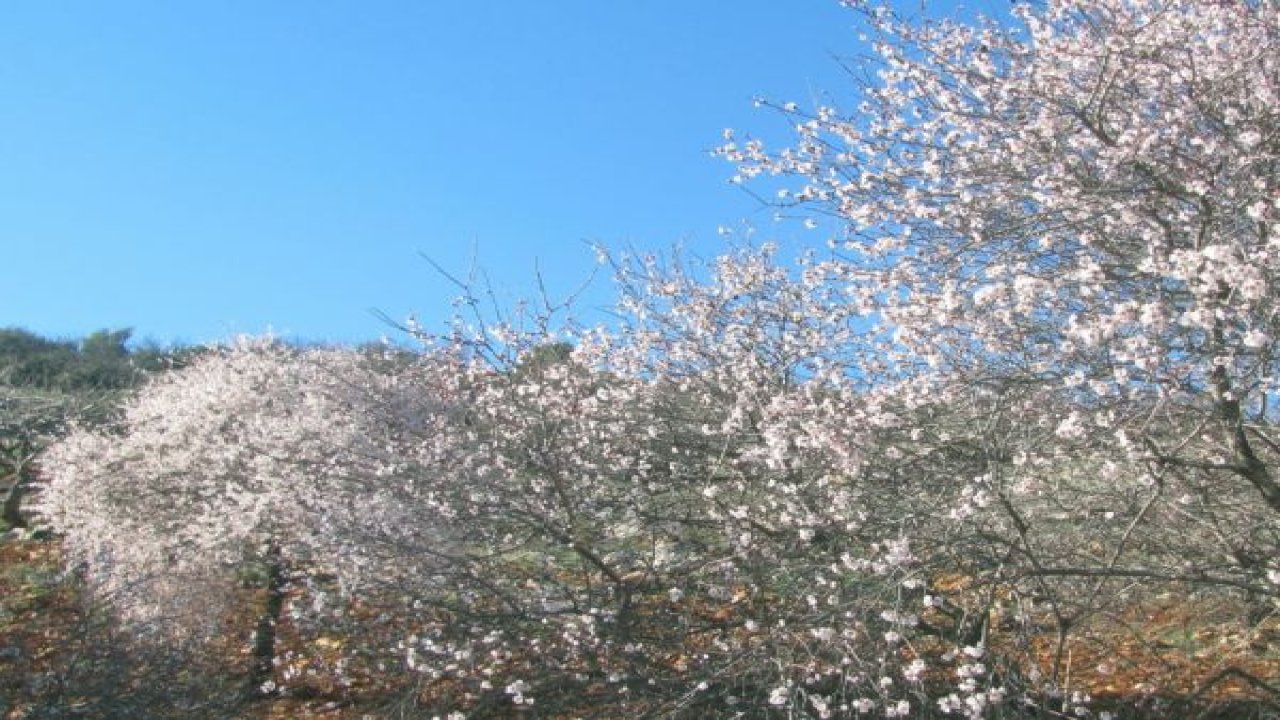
[{"x": 1172, "y": 655}]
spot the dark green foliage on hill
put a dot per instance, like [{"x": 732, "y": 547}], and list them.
[{"x": 100, "y": 361}]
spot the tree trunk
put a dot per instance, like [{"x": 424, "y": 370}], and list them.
[
  {"x": 1247, "y": 463},
  {"x": 263, "y": 651},
  {"x": 11, "y": 513}
]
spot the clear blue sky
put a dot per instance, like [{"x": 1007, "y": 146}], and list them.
[{"x": 199, "y": 169}]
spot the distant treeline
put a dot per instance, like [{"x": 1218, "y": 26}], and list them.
[{"x": 101, "y": 360}]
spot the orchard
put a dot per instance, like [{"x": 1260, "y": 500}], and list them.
[{"x": 1019, "y": 394}]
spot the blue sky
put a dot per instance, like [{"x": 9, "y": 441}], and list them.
[{"x": 199, "y": 169}]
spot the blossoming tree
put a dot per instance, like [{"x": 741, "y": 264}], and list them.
[
  {"x": 1062, "y": 235},
  {"x": 255, "y": 453}
]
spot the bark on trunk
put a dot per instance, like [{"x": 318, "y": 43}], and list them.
[
  {"x": 263, "y": 651},
  {"x": 1247, "y": 463},
  {"x": 12, "y": 507}
]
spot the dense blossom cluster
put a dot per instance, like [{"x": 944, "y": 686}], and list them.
[
  {"x": 1035, "y": 372},
  {"x": 255, "y": 449}
]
